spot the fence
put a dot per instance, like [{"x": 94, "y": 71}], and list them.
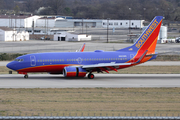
[{"x": 93, "y": 114}]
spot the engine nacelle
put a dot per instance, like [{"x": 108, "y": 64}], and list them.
[{"x": 71, "y": 71}]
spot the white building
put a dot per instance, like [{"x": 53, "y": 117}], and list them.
[
  {"x": 65, "y": 36},
  {"x": 123, "y": 23},
  {"x": 13, "y": 21},
  {"x": 28, "y": 22},
  {"x": 22, "y": 36},
  {"x": 8, "y": 34},
  {"x": 47, "y": 22}
]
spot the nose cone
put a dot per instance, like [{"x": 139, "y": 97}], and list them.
[{"x": 11, "y": 65}]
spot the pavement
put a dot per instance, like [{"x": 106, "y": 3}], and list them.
[{"x": 100, "y": 80}]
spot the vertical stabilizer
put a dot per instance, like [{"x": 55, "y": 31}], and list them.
[{"x": 148, "y": 39}]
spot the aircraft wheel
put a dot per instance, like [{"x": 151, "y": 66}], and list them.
[
  {"x": 91, "y": 76},
  {"x": 25, "y": 76}
]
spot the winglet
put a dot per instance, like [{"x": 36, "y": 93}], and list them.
[{"x": 82, "y": 48}]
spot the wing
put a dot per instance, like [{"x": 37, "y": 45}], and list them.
[{"x": 104, "y": 66}]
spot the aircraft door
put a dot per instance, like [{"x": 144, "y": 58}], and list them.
[{"x": 33, "y": 60}]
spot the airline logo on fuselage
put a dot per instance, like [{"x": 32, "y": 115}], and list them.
[{"x": 147, "y": 34}]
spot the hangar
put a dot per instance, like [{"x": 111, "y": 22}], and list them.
[{"x": 14, "y": 21}]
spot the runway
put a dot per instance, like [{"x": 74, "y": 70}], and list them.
[{"x": 100, "y": 80}]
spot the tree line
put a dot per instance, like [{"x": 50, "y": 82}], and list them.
[{"x": 96, "y": 9}]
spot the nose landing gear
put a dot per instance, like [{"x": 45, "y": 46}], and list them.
[
  {"x": 24, "y": 73},
  {"x": 26, "y": 76}
]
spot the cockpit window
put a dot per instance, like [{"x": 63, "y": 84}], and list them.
[{"x": 19, "y": 60}]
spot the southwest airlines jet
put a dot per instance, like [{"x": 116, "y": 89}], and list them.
[{"x": 78, "y": 64}]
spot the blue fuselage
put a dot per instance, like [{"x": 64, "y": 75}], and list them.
[{"x": 35, "y": 62}]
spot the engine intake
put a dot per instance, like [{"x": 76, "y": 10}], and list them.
[{"x": 71, "y": 71}]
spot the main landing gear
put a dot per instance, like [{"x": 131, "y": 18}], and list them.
[{"x": 91, "y": 76}]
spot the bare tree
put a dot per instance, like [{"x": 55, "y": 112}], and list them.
[
  {"x": 2, "y": 4},
  {"x": 56, "y": 6}
]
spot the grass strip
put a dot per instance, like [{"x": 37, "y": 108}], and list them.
[{"x": 90, "y": 102}]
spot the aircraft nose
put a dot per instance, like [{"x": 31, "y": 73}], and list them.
[{"x": 11, "y": 66}]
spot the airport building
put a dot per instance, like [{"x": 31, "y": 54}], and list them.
[
  {"x": 14, "y": 21},
  {"x": 9, "y": 34},
  {"x": 136, "y": 24},
  {"x": 66, "y": 36},
  {"x": 55, "y": 25}
]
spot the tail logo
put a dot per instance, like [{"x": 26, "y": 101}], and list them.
[{"x": 147, "y": 34}]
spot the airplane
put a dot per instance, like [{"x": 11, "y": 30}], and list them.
[{"x": 78, "y": 64}]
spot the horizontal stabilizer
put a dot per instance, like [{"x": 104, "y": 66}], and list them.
[
  {"x": 143, "y": 55},
  {"x": 148, "y": 55}
]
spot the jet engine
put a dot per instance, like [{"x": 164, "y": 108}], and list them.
[{"x": 72, "y": 71}]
